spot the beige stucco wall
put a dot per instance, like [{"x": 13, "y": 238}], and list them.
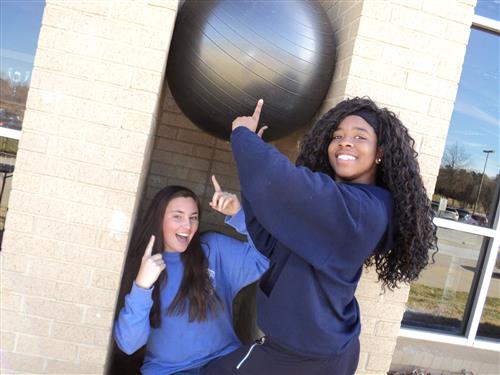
[{"x": 92, "y": 120}]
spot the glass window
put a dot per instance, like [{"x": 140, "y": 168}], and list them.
[
  {"x": 439, "y": 298},
  {"x": 469, "y": 175},
  {"x": 8, "y": 150},
  {"x": 488, "y": 8},
  {"x": 19, "y": 28},
  {"x": 489, "y": 326},
  {"x": 467, "y": 191}
]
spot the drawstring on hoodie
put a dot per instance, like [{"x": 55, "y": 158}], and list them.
[{"x": 260, "y": 341}]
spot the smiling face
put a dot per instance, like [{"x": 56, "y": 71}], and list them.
[
  {"x": 180, "y": 224},
  {"x": 353, "y": 151}
]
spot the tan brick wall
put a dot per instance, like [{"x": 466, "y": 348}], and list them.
[
  {"x": 82, "y": 158},
  {"x": 406, "y": 55},
  {"x": 345, "y": 17}
]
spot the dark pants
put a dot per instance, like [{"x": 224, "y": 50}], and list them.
[
  {"x": 269, "y": 358},
  {"x": 193, "y": 371}
]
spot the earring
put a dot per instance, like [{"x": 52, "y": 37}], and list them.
[{"x": 378, "y": 160}]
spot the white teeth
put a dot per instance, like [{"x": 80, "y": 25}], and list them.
[
  {"x": 183, "y": 235},
  {"x": 346, "y": 157}
]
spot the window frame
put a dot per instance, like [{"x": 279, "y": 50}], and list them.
[
  {"x": 10, "y": 133},
  {"x": 6, "y": 132},
  {"x": 470, "y": 339}
]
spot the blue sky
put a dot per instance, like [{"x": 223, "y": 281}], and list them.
[
  {"x": 488, "y": 8},
  {"x": 475, "y": 119},
  {"x": 20, "y": 25}
]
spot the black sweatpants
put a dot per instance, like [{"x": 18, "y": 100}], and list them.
[{"x": 268, "y": 358}]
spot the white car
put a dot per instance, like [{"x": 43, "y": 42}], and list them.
[{"x": 450, "y": 213}]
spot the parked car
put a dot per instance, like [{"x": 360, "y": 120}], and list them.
[
  {"x": 449, "y": 213},
  {"x": 463, "y": 214},
  {"x": 10, "y": 120},
  {"x": 480, "y": 219}
]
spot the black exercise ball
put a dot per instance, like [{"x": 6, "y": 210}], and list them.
[{"x": 225, "y": 55}]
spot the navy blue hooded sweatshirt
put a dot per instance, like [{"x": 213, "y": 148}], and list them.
[{"x": 317, "y": 234}]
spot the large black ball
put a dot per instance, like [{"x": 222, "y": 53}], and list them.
[{"x": 225, "y": 55}]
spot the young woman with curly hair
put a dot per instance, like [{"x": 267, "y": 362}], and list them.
[
  {"x": 354, "y": 198},
  {"x": 179, "y": 285}
]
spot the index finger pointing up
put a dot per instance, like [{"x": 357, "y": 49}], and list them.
[
  {"x": 216, "y": 184},
  {"x": 258, "y": 108},
  {"x": 149, "y": 248}
]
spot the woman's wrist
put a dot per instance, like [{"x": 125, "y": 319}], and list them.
[{"x": 140, "y": 285}]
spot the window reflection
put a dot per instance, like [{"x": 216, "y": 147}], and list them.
[
  {"x": 489, "y": 326},
  {"x": 439, "y": 298},
  {"x": 8, "y": 150},
  {"x": 488, "y": 8},
  {"x": 19, "y": 28},
  {"x": 468, "y": 180},
  {"x": 20, "y": 25}
]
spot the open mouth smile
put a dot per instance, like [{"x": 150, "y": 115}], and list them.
[
  {"x": 346, "y": 157},
  {"x": 182, "y": 237}
]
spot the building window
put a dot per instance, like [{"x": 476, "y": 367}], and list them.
[
  {"x": 459, "y": 295},
  {"x": 488, "y": 9},
  {"x": 19, "y": 28},
  {"x": 439, "y": 299},
  {"x": 489, "y": 325},
  {"x": 468, "y": 177}
]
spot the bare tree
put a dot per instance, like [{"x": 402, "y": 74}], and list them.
[{"x": 455, "y": 157}]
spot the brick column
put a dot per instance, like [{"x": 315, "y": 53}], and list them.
[
  {"x": 406, "y": 55},
  {"x": 82, "y": 157}
]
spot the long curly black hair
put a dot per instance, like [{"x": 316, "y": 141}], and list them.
[{"x": 398, "y": 172}]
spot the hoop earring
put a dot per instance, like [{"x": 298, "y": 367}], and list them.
[{"x": 378, "y": 160}]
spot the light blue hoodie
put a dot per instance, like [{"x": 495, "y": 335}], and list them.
[{"x": 178, "y": 344}]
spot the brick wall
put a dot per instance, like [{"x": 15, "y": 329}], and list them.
[
  {"x": 406, "y": 55},
  {"x": 345, "y": 17},
  {"x": 81, "y": 161}
]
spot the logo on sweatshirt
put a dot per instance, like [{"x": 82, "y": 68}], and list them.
[{"x": 211, "y": 275}]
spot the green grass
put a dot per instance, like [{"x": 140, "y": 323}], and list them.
[{"x": 449, "y": 304}]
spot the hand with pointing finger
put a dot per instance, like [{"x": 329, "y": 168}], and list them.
[
  {"x": 251, "y": 122},
  {"x": 151, "y": 267},
  {"x": 224, "y": 202}
]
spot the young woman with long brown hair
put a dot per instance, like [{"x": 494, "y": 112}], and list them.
[{"x": 181, "y": 283}]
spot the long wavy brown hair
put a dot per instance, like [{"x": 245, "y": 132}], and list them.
[
  {"x": 414, "y": 232},
  {"x": 196, "y": 293}
]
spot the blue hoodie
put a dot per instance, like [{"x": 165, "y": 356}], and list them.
[
  {"x": 178, "y": 344},
  {"x": 317, "y": 233}
]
